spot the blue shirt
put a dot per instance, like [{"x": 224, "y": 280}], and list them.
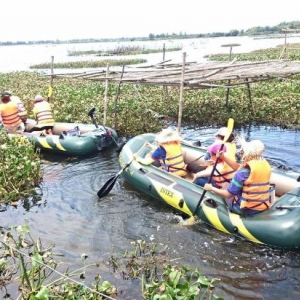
[
  {"x": 236, "y": 185},
  {"x": 159, "y": 153}
]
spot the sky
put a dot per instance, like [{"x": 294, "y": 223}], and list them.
[{"x": 33, "y": 20}]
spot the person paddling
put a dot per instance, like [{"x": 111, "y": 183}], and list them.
[{"x": 249, "y": 191}]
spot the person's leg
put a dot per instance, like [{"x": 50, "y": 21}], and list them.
[
  {"x": 35, "y": 129},
  {"x": 49, "y": 130}
]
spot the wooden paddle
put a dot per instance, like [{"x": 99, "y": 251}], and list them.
[
  {"x": 111, "y": 182},
  {"x": 192, "y": 219}
]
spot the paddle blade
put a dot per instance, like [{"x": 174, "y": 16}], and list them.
[
  {"x": 230, "y": 124},
  {"x": 107, "y": 187},
  {"x": 50, "y": 90}
]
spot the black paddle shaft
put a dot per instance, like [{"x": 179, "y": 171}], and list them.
[
  {"x": 91, "y": 114},
  {"x": 209, "y": 181}
]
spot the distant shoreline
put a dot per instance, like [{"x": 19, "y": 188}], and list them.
[{"x": 259, "y": 32}]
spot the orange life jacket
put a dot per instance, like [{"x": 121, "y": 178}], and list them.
[
  {"x": 226, "y": 173},
  {"x": 10, "y": 114},
  {"x": 43, "y": 113},
  {"x": 256, "y": 189},
  {"x": 174, "y": 161}
]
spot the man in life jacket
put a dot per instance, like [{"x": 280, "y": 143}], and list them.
[
  {"x": 9, "y": 113},
  {"x": 168, "y": 153},
  {"x": 249, "y": 191},
  {"x": 43, "y": 115}
]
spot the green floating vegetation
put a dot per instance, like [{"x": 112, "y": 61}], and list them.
[
  {"x": 290, "y": 51},
  {"x": 26, "y": 262},
  {"x": 274, "y": 102},
  {"x": 123, "y": 50},
  {"x": 90, "y": 64},
  {"x": 19, "y": 168}
]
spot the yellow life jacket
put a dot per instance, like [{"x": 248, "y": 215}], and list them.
[
  {"x": 256, "y": 189},
  {"x": 226, "y": 173},
  {"x": 10, "y": 114},
  {"x": 43, "y": 113},
  {"x": 174, "y": 161}
]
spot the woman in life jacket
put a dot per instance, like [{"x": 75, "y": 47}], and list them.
[
  {"x": 221, "y": 176},
  {"x": 168, "y": 155},
  {"x": 249, "y": 191}
]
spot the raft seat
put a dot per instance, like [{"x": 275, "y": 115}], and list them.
[{"x": 159, "y": 178}]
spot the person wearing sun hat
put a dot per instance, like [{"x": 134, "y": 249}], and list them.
[
  {"x": 18, "y": 101},
  {"x": 168, "y": 153},
  {"x": 226, "y": 172},
  {"x": 218, "y": 179},
  {"x": 249, "y": 191},
  {"x": 220, "y": 135},
  {"x": 9, "y": 114},
  {"x": 43, "y": 115}
]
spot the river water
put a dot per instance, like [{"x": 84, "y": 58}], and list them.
[
  {"x": 70, "y": 215},
  {"x": 20, "y": 58}
]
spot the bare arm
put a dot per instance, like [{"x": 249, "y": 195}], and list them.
[
  {"x": 233, "y": 164},
  {"x": 144, "y": 161},
  {"x": 204, "y": 173},
  {"x": 221, "y": 192}
]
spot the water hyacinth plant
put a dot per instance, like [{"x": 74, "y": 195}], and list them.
[
  {"x": 123, "y": 50},
  {"x": 19, "y": 168},
  {"x": 33, "y": 266},
  {"x": 89, "y": 63}
]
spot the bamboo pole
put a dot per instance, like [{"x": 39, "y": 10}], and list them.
[
  {"x": 105, "y": 95},
  {"x": 165, "y": 88},
  {"x": 249, "y": 94},
  {"x": 117, "y": 98},
  {"x": 181, "y": 92}
]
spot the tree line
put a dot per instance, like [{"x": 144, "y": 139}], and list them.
[{"x": 283, "y": 27}]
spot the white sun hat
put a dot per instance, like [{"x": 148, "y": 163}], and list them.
[
  {"x": 167, "y": 135},
  {"x": 38, "y": 98},
  {"x": 222, "y": 131},
  {"x": 253, "y": 148}
]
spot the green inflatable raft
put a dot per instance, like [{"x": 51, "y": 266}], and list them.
[
  {"x": 73, "y": 138},
  {"x": 279, "y": 226}
]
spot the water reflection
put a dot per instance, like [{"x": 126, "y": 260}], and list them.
[{"x": 70, "y": 215}]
